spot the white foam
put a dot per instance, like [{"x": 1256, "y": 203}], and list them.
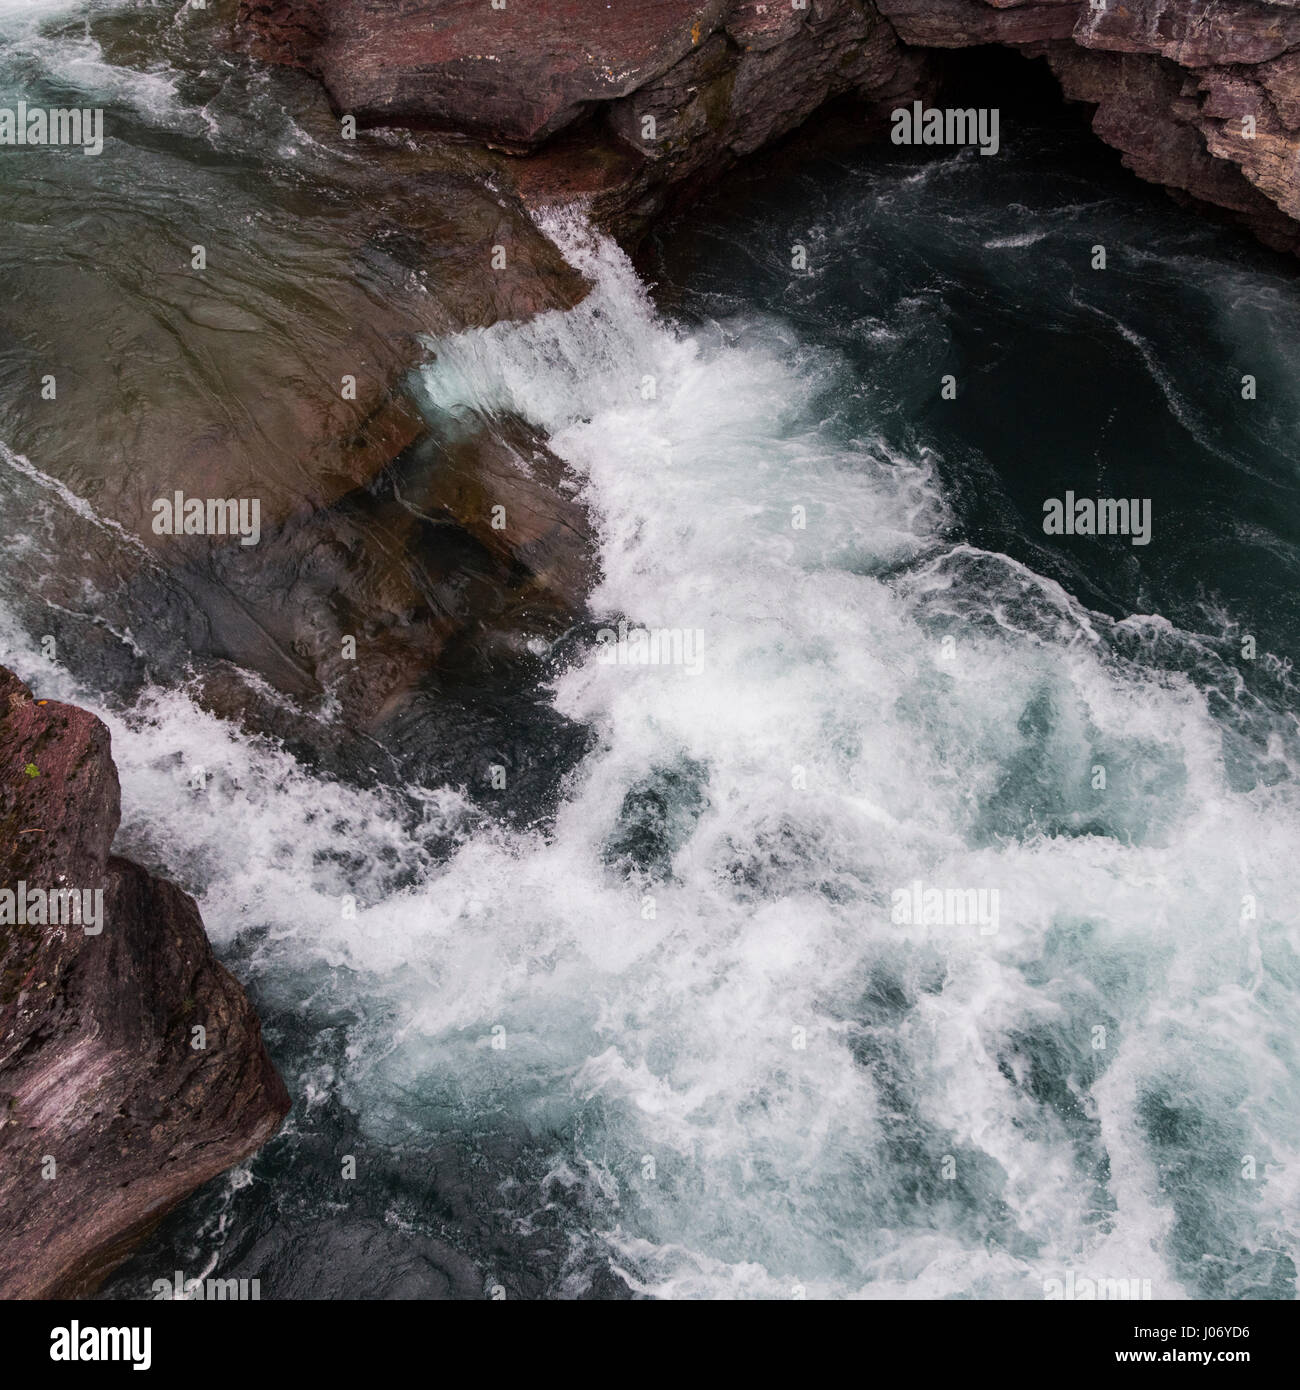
[
  {"x": 35, "y": 38},
  {"x": 846, "y": 756}
]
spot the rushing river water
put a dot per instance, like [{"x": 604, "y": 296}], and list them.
[{"x": 668, "y": 1035}]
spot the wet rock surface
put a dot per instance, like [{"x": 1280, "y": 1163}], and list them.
[
  {"x": 110, "y": 1115},
  {"x": 512, "y": 74},
  {"x": 281, "y": 369},
  {"x": 1172, "y": 83},
  {"x": 231, "y": 307}
]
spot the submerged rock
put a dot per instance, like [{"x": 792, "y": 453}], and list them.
[
  {"x": 275, "y": 369},
  {"x": 111, "y": 1112},
  {"x": 229, "y": 308}
]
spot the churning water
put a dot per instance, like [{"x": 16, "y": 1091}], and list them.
[{"x": 672, "y": 1039}]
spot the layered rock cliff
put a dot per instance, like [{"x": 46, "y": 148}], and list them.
[
  {"x": 614, "y": 104},
  {"x": 618, "y": 102},
  {"x": 132, "y": 1067},
  {"x": 1204, "y": 99}
]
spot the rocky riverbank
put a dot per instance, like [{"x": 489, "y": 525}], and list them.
[
  {"x": 276, "y": 367},
  {"x": 620, "y": 103},
  {"x": 132, "y": 1067}
]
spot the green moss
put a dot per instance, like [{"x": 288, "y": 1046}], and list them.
[{"x": 716, "y": 100}]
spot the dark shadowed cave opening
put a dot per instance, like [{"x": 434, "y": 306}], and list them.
[
  {"x": 1028, "y": 96},
  {"x": 1022, "y": 87}
]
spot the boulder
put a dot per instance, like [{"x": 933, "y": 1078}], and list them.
[
  {"x": 512, "y": 75},
  {"x": 111, "y": 1112}
]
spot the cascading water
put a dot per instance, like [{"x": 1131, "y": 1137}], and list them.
[{"x": 675, "y": 1036}]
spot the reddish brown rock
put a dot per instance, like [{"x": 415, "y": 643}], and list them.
[
  {"x": 965, "y": 23},
  {"x": 643, "y": 97},
  {"x": 1172, "y": 82},
  {"x": 1191, "y": 35},
  {"x": 650, "y": 100},
  {"x": 1228, "y": 131},
  {"x": 756, "y": 79},
  {"x": 278, "y": 373},
  {"x": 512, "y": 75},
  {"x": 1156, "y": 114},
  {"x": 1243, "y": 126},
  {"x": 109, "y": 1116},
  {"x": 516, "y": 498},
  {"x": 1281, "y": 80}
]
